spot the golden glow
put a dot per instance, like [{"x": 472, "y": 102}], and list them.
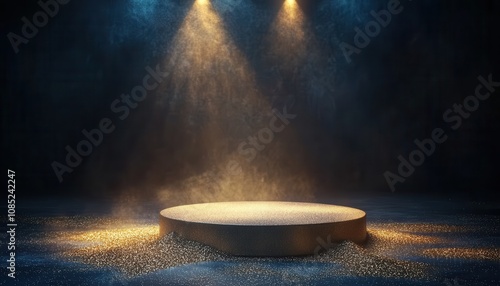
[
  {"x": 288, "y": 35},
  {"x": 290, "y": 3},
  {"x": 135, "y": 249},
  {"x": 464, "y": 253},
  {"x": 398, "y": 237},
  {"x": 262, "y": 213},
  {"x": 106, "y": 239},
  {"x": 389, "y": 238},
  {"x": 246, "y": 186},
  {"x": 291, "y": 7},
  {"x": 207, "y": 65},
  {"x": 219, "y": 104},
  {"x": 422, "y": 227}
]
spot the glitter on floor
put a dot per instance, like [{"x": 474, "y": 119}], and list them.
[
  {"x": 136, "y": 249},
  {"x": 122, "y": 248},
  {"x": 415, "y": 250}
]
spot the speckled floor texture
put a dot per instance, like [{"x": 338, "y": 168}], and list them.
[{"x": 411, "y": 241}]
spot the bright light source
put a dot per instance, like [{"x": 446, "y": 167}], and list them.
[{"x": 290, "y": 2}]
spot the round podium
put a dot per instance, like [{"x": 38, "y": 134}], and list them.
[{"x": 265, "y": 228}]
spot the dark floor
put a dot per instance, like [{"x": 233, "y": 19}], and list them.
[{"x": 413, "y": 241}]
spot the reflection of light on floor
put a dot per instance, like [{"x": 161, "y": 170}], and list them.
[
  {"x": 135, "y": 250},
  {"x": 398, "y": 237},
  {"x": 422, "y": 227},
  {"x": 464, "y": 253},
  {"x": 106, "y": 239},
  {"x": 424, "y": 239},
  {"x": 131, "y": 248}
]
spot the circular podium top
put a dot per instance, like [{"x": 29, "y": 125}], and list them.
[{"x": 262, "y": 213}]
